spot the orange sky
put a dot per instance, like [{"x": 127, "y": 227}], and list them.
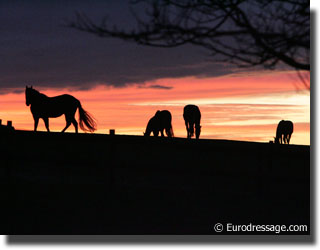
[{"x": 236, "y": 107}]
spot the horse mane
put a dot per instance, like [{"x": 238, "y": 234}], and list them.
[{"x": 38, "y": 93}]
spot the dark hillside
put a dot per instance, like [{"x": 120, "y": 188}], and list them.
[{"x": 103, "y": 184}]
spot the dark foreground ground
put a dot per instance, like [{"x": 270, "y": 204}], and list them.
[{"x": 101, "y": 184}]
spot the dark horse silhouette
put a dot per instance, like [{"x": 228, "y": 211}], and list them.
[
  {"x": 192, "y": 117},
  {"x": 44, "y": 107},
  {"x": 284, "y": 132},
  {"x": 159, "y": 122}
]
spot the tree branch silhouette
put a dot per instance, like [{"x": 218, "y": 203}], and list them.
[{"x": 269, "y": 33}]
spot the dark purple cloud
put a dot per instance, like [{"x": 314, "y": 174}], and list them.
[
  {"x": 36, "y": 48},
  {"x": 156, "y": 86}
]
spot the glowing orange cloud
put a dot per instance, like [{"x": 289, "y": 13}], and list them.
[{"x": 237, "y": 107}]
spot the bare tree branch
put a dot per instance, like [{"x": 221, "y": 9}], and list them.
[{"x": 244, "y": 32}]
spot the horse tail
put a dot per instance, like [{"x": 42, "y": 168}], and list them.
[{"x": 86, "y": 120}]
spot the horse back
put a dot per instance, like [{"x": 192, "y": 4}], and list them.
[
  {"x": 164, "y": 115},
  {"x": 284, "y": 127},
  {"x": 56, "y": 106},
  {"x": 160, "y": 120},
  {"x": 289, "y": 127},
  {"x": 191, "y": 113}
]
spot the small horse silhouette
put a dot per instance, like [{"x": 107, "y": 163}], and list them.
[
  {"x": 192, "y": 117},
  {"x": 159, "y": 122},
  {"x": 44, "y": 107},
  {"x": 284, "y": 132}
]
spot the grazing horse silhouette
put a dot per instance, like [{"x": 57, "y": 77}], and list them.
[
  {"x": 44, "y": 107},
  {"x": 159, "y": 122},
  {"x": 284, "y": 131},
  {"x": 192, "y": 117}
]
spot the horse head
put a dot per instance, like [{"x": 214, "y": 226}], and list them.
[
  {"x": 31, "y": 94},
  {"x": 28, "y": 93},
  {"x": 147, "y": 133}
]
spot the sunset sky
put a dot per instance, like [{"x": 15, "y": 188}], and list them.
[{"x": 122, "y": 84}]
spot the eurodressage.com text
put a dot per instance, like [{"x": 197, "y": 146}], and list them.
[{"x": 261, "y": 228}]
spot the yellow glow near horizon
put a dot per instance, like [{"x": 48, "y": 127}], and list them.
[{"x": 234, "y": 107}]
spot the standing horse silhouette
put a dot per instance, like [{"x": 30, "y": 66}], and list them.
[
  {"x": 45, "y": 107},
  {"x": 284, "y": 132},
  {"x": 159, "y": 122},
  {"x": 192, "y": 117}
]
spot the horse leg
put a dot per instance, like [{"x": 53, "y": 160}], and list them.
[
  {"x": 67, "y": 126},
  {"x": 36, "y": 121},
  {"x": 289, "y": 137},
  {"x": 68, "y": 121},
  {"x": 168, "y": 131},
  {"x": 161, "y": 131},
  {"x": 187, "y": 129},
  {"x": 197, "y": 130},
  {"x": 46, "y": 123},
  {"x": 75, "y": 124},
  {"x": 192, "y": 129}
]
